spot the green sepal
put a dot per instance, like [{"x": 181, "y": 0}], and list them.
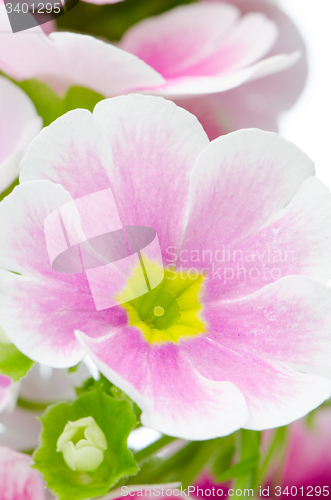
[
  {"x": 110, "y": 389},
  {"x": 73, "y": 369},
  {"x": 91, "y": 384},
  {"x": 116, "y": 420},
  {"x": 8, "y": 190},
  {"x": 13, "y": 363},
  {"x": 50, "y": 106}
]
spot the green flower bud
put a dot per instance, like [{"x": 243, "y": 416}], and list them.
[{"x": 82, "y": 444}]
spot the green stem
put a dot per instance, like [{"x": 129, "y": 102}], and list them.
[
  {"x": 142, "y": 455},
  {"x": 34, "y": 405},
  {"x": 276, "y": 443}
]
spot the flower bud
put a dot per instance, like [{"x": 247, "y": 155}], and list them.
[{"x": 82, "y": 444}]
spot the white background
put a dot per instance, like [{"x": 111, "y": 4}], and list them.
[{"x": 308, "y": 123}]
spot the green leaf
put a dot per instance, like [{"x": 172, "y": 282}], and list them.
[
  {"x": 111, "y": 21},
  {"x": 199, "y": 461},
  {"x": 114, "y": 418},
  {"x": 249, "y": 443},
  {"x": 50, "y": 107},
  {"x": 13, "y": 363},
  {"x": 276, "y": 447},
  {"x": 167, "y": 470},
  {"x": 239, "y": 469},
  {"x": 249, "y": 452},
  {"x": 224, "y": 456},
  {"x": 184, "y": 465}
]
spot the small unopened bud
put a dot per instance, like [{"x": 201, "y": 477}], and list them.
[{"x": 82, "y": 444}]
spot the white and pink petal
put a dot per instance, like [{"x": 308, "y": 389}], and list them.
[
  {"x": 60, "y": 60},
  {"x": 17, "y": 478},
  {"x": 287, "y": 322},
  {"x": 251, "y": 38},
  {"x": 40, "y": 308},
  {"x": 141, "y": 147},
  {"x": 214, "y": 52},
  {"x": 275, "y": 395},
  {"x": 174, "y": 41},
  {"x": 189, "y": 86},
  {"x": 19, "y": 124},
  {"x": 295, "y": 241},
  {"x": 239, "y": 182},
  {"x": 173, "y": 396}
]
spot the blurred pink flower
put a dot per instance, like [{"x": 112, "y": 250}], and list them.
[
  {"x": 258, "y": 103},
  {"x": 206, "y": 48},
  {"x": 19, "y": 123},
  {"x": 308, "y": 461},
  {"x": 190, "y": 50},
  {"x": 17, "y": 479},
  {"x": 303, "y": 471},
  {"x": 232, "y": 347}
]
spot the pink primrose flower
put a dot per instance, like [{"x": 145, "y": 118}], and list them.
[
  {"x": 191, "y": 50},
  {"x": 238, "y": 332},
  {"x": 258, "y": 103}
]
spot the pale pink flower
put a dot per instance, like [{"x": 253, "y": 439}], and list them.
[
  {"x": 190, "y": 50},
  {"x": 17, "y": 479},
  {"x": 243, "y": 224},
  {"x": 258, "y": 103},
  {"x": 19, "y": 124}
]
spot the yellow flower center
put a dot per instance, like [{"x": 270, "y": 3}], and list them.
[{"x": 171, "y": 311}]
